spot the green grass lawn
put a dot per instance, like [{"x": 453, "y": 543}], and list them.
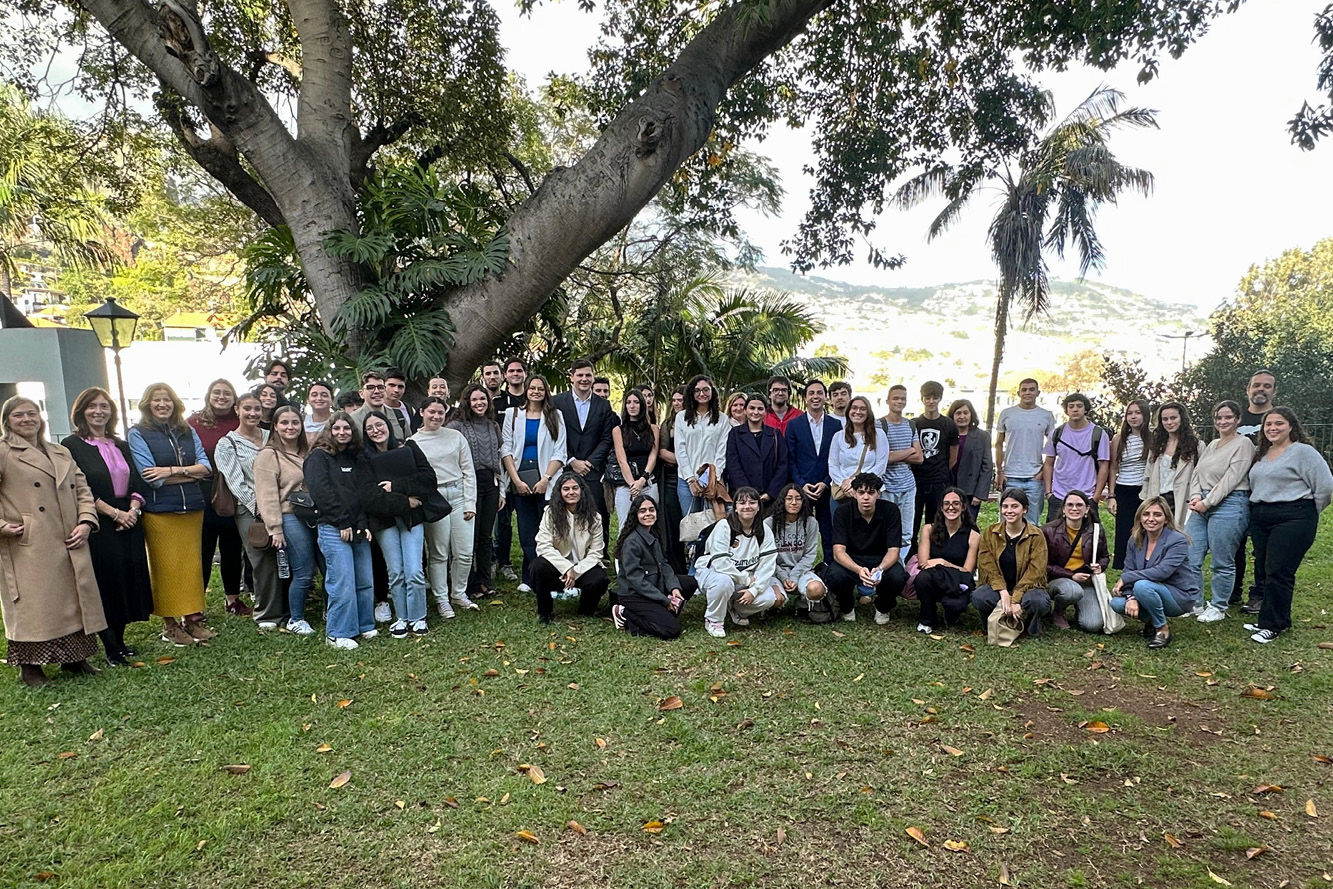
[{"x": 800, "y": 756}]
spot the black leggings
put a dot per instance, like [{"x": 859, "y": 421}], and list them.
[
  {"x": 220, "y": 534},
  {"x": 592, "y": 586},
  {"x": 1126, "y": 505},
  {"x": 648, "y": 617}
]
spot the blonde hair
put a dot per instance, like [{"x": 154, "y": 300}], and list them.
[
  {"x": 1137, "y": 535},
  {"x": 8, "y": 435},
  {"x": 206, "y": 415},
  {"x": 177, "y": 418}
]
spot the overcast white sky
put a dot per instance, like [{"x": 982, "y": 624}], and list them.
[{"x": 1231, "y": 189}]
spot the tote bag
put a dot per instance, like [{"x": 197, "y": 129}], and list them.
[{"x": 1112, "y": 621}]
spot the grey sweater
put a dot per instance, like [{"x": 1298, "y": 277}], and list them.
[{"x": 1298, "y": 473}]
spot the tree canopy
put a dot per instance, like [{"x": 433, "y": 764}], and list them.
[{"x": 291, "y": 106}]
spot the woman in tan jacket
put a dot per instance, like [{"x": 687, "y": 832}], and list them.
[
  {"x": 52, "y": 608},
  {"x": 279, "y": 474},
  {"x": 1173, "y": 449},
  {"x": 1012, "y": 566}
]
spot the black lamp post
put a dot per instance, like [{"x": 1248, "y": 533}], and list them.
[{"x": 114, "y": 326}]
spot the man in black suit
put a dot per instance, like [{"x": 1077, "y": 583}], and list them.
[{"x": 588, "y": 423}]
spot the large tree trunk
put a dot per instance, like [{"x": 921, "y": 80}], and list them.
[
  {"x": 631, "y": 161},
  {"x": 1001, "y": 331}
]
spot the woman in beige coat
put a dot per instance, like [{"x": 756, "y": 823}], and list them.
[{"x": 52, "y": 608}]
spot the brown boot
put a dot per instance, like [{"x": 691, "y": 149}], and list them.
[
  {"x": 175, "y": 634},
  {"x": 32, "y": 675},
  {"x": 197, "y": 630}
]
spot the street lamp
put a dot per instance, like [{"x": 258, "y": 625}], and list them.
[
  {"x": 1184, "y": 346},
  {"x": 114, "y": 326}
]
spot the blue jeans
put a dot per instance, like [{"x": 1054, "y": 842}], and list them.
[
  {"x": 402, "y": 548},
  {"x": 1221, "y": 531},
  {"x": 905, "y": 500},
  {"x": 350, "y": 583},
  {"x": 300, "y": 539},
  {"x": 1036, "y": 495},
  {"x": 688, "y": 502},
  {"x": 1157, "y": 602}
]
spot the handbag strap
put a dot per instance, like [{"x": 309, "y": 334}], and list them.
[
  {"x": 865, "y": 446},
  {"x": 1096, "y": 533}
]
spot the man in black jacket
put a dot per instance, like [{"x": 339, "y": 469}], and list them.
[{"x": 588, "y": 423}]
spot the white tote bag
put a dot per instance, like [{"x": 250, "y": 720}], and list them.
[{"x": 1112, "y": 620}]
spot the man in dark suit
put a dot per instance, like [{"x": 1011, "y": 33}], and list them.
[
  {"x": 588, "y": 423},
  {"x": 809, "y": 437}
]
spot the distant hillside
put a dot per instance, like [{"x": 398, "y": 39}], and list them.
[{"x": 946, "y": 332}]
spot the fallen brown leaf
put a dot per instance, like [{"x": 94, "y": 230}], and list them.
[
  {"x": 1255, "y": 851},
  {"x": 97, "y": 735},
  {"x": 1269, "y": 815},
  {"x": 1268, "y": 788},
  {"x": 1310, "y": 809},
  {"x": 917, "y": 834},
  {"x": 237, "y": 769},
  {"x": 1322, "y": 759},
  {"x": 1216, "y": 878},
  {"x": 653, "y": 827},
  {"x": 528, "y": 836},
  {"x": 1098, "y": 727},
  {"x": 166, "y": 660},
  {"x": 672, "y": 703},
  {"x": 1003, "y": 879},
  {"x": 957, "y": 846},
  {"x": 536, "y": 775},
  {"x": 952, "y": 751},
  {"x": 1172, "y": 841},
  {"x": 451, "y": 802},
  {"x": 999, "y": 831},
  {"x": 782, "y": 836},
  {"x": 985, "y": 695},
  {"x": 601, "y": 742},
  {"x": 1258, "y": 694},
  {"x": 344, "y": 703},
  {"x": 1327, "y": 646},
  {"x": 577, "y": 828},
  {"x": 573, "y": 686},
  {"x": 606, "y": 785},
  {"x": 68, "y": 754},
  {"x": 491, "y": 673},
  {"x": 340, "y": 780}
]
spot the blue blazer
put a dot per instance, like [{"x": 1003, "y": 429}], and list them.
[
  {"x": 762, "y": 467},
  {"x": 807, "y": 467},
  {"x": 1169, "y": 566}
]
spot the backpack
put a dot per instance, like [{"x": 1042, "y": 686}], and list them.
[{"x": 1097, "y": 433}]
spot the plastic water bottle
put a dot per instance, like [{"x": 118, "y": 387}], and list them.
[
  {"x": 284, "y": 564},
  {"x": 867, "y": 591}
]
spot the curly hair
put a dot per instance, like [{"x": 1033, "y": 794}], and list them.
[{"x": 585, "y": 515}]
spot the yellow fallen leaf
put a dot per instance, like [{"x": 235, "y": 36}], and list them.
[
  {"x": 1267, "y": 788},
  {"x": 1217, "y": 879},
  {"x": 917, "y": 834},
  {"x": 957, "y": 846},
  {"x": 601, "y": 742},
  {"x": 952, "y": 751},
  {"x": 1003, "y": 879},
  {"x": 1267, "y": 814},
  {"x": 68, "y": 754},
  {"x": 672, "y": 703},
  {"x": 653, "y": 827},
  {"x": 1258, "y": 694},
  {"x": 999, "y": 830},
  {"x": 491, "y": 673},
  {"x": 344, "y": 703},
  {"x": 859, "y": 677},
  {"x": 237, "y": 769},
  {"x": 1172, "y": 841},
  {"x": 782, "y": 836},
  {"x": 323, "y": 748},
  {"x": 577, "y": 828},
  {"x": 574, "y": 686},
  {"x": 537, "y": 775},
  {"x": 166, "y": 660},
  {"x": 504, "y": 800},
  {"x": 1310, "y": 809},
  {"x": 400, "y": 804},
  {"x": 985, "y": 695},
  {"x": 340, "y": 780},
  {"x": 97, "y": 735},
  {"x": 1098, "y": 727},
  {"x": 528, "y": 836}
]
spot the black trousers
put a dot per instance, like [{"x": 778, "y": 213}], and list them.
[
  {"x": 220, "y": 534},
  {"x": 942, "y": 585},
  {"x": 669, "y": 507},
  {"x": 592, "y": 586},
  {"x": 1238, "y": 588},
  {"x": 1283, "y": 533},
  {"x": 488, "y": 505},
  {"x": 504, "y": 531},
  {"x": 842, "y": 583},
  {"x": 648, "y": 617},
  {"x": 1126, "y": 505},
  {"x": 928, "y": 499}
]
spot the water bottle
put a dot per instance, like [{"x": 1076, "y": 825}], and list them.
[
  {"x": 284, "y": 565},
  {"x": 867, "y": 591}
]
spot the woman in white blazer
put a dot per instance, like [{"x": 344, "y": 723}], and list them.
[
  {"x": 532, "y": 449},
  {"x": 701, "y": 440},
  {"x": 860, "y": 448},
  {"x": 570, "y": 549}
]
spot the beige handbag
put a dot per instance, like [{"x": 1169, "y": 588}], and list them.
[
  {"x": 837, "y": 492},
  {"x": 1003, "y": 629}
]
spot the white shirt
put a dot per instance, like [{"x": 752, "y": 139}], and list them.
[
  {"x": 582, "y": 405},
  {"x": 816, "y": 430}
]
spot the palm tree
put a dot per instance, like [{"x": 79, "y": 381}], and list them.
[
  {"x": 1050, "y": 201},
  {"x": 44, "y": 204}
]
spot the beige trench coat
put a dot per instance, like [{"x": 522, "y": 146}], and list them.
[{"x": 47, "y": 591}]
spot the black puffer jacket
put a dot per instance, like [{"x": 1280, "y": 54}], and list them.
[{"x": 335, "y": 482}]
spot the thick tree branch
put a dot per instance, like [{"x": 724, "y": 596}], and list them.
[
  {"x": 630, "y": 162},
  {"x": 219, "y": 158},
  {"x": 324, "y": 107},
  {"x": 364, "y": 148},
  {"x": 259, "y": 58},
  {"x": 522, "y": 169}
]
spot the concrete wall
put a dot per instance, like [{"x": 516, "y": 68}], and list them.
[{"x": 63, "y": 362}]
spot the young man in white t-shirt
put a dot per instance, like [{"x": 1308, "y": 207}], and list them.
[{"x": 1020, "y": 436}]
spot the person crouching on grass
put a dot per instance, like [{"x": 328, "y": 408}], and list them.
[
  {"x": 736, "y": 570},
  {"x": 867, "y": 539},
  {"x": 570, "y": 548},
  {"x": 651, "y": 594}
]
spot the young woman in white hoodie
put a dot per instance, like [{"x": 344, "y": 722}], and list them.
[
  {"x": 737, "y": 569},
  {"x": 450, "y": 541}
]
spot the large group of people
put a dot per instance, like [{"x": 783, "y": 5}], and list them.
[{"x": 753, "y": 502}]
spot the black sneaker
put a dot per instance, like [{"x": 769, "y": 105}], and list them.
[
  {"x": 398, "y": 629},
  {"x": 1254, "y": 606},
  {"x": 1263, "y": 637}
]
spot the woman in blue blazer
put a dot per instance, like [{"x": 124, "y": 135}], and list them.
[
  {"x": 756, "y": 453},
  {"x": 1158, "y": 581}
]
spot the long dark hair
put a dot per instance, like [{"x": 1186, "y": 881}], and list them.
[
  {"x": 585, "y": 515},
  {"x": 868, "y": 430},
  {"x": 734, "y": 518},
  {"x": 641, "y": 427},
  {"x": 632, "y": 524},
  {"x": 464, "y": 413},
  {"x": 1093, "y": 518},
  {"x": 1187, "y": 442},
  {"x": 939, "y": 529},
  {"x": 691, "y": 408},
  {"x": 87, "y": 397},
  {"x": 324, "y": 441},
  {"x": 1145, "y": 411},
  {"x": 549, "y": 413},
  {"x": 1297, "y": 433},
  {"x": 370, "y": 446},
  {"x": 778, "y": 511}
]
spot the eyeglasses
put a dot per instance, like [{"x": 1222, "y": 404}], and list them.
[
  {"x": 373, "y": 387},
  {"x": 703, "y": 388},
  {"x": 951, "y": 504}
]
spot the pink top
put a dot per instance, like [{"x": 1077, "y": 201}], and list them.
[{"x": 115, "y": 464}]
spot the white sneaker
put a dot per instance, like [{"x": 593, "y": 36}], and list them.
[
  {"x": 850, "y": 616},
  {"x": 715, "y": 628},
  {"x": 445, "y": 609},
  {"x": 1212, "y": 615},
  {"x": 923, "y": 628},
  {"x": 1263, "y": 637},
  {"x": 1199, "y": 609},
  {"x": 465, "y": 603},
  {"x": 419, "y": 628},
  {"x": 882, "y": 617},
  {"x": 268, "y": 624},
  {"x": 383, "y": 614},
  {"x": 1250, "y": 628},
  {"x": 398, "y": 629},
  {"x": 524, "y": 588},
  {"x": 738, "y": 619},
  {"x": 618, "y": 616},
  {"x": 507, "y": 572},
  {"x": 300, "y": 628},
  {"x": 369, "y": 634},
  {"x": 341, "y": 644}
]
